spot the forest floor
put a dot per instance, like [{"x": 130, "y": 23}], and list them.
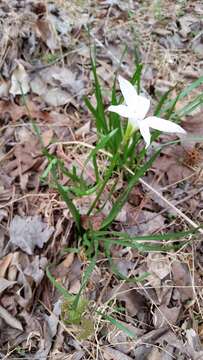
[{"x": 46, "y": 46}]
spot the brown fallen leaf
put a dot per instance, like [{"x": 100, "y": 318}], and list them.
[
  {"x": 57, "y": 85},
  {"x": 188, "y": 24},
  {"x": 46, "y": 31},
  {"x": 146, "y": 222},
  {"x": 120, "y": 339},
  {"x": 92, "y": 222},
  {"x": 165, "y": 315},
  {"x": 9, "y": 319},
  {"x": 19, "y": 81},
  {"x": 184, "y": 347},
  {"x": 158, "y": 264},
  {"x": 56, "y": 97},
  {"x": 193, "y": 124},
  {"x": 182, "y": 277},
  {"x": 135, "y": 303},
  {"x": 4, "y": 88},
  {"x": 111, "y": 354},
  {"x": 4, "y": 284},
  {"x": 180, "y": 161},
  {"x": 61, "y": 269},
  {"x": 4, "y": 264},
  {"x": 156, "y": 354},
  {"x": 26, "y": 157},
  {"x": 173, "y": 163},
  {"x": 27, "y": 233},
  {"x": 46, "y": 137},
  {"x": 36, "y": 269},
  {"x": 16, "y": 112}
]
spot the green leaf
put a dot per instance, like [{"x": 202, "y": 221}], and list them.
[
  {"x": 85, "y": 279},
  {"x": 58, "y": 286},
  {"x": 65, "y": 196},
  {"x": 185, "y": 92},
  {"x": 123, "y": 197},
  {"x": 117, "y": 324},
  {"x": 113, "y": 235},
  {"x": 101, "y": 120},
  {"x": 101, "y": 145}
]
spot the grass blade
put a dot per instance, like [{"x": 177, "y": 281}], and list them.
[
  {"x": 123, "y": 197},
  {"x": 68, "y": 201},
  {"x": 118, "y": 324}
]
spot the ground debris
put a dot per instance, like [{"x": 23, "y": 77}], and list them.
[
  {"x": 27, "y": 233},
  {"x": 154, "y": 298}
]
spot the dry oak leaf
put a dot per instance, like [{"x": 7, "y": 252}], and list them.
[
  {"x": 16, "y": 112},
  {"x": 27, "y": 156},
  {"x": 29, "y": 232},
  {"x": 172, "y": 163}
]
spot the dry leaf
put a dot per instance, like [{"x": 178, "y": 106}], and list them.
[
  {"x": 172, "y": 163},
  {"x": 4, "y": 264},
  {"x": 164, "y": 315},
  {"x": 4, "y": 88},
  {"x": 57, "y": 85},
  {"x": 62, "y": 269},
  {"x": 56, "y": 97},
  {"x": 26, "y": 156},
  {"x": 158, "y": 264},
  {"x": 4, "y": 284},
  {"x": 193, "y": 125},
  {"x": 110, "y": 354},
  {"x": 147, "y": 223},
  {"x": 19, "y": 81},
  {"x": 155, "y": 355},
  {"x": 36, "y": 269},
  {"x": 9, "y": 319},
  {"x": 46, "y": 137},
  {"x": 182, "y": 278},
  {"x": 92, "y": 222},
  {"x": 120, "y": 339},
  {"x": 29, "y": 232},
  {"x": 134, "y": 302},
  {"x": 189, "y": 23},
  {"x": 48, "y": 34}
]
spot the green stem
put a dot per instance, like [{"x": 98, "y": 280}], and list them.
[{"x": 103, "y": 184}]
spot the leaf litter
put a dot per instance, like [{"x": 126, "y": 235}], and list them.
[{"x": 45, "y": 58}]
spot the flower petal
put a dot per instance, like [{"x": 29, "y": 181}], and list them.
[
  {"x": 133, "y": 122},
  {"x": 142, "y": 107},
  {"x": 128, "y": 91},
  {"x": 164, "y": 125},
  {"x": 121, "y": 110},
  {"x": 138, "y": 103},
  {"x": 144, "y": 130}
]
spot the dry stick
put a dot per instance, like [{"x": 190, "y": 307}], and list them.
[
  {"x": 193, "y": 281},
  {"x": 193, "y": 193},
  {"x": 24, "y": 197},
  {"x": 148, "y": 186}
]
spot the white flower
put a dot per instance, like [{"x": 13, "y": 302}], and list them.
[{"x": 135, "y": 109}]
